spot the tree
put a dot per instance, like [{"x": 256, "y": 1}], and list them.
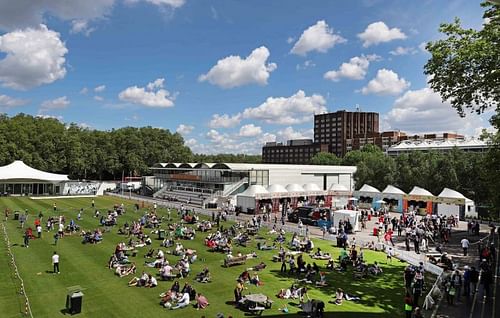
[
  {"x": 465, "y": 66},
  {"x": 465, "y": 70},
  {"x": 326, "y": 159}
]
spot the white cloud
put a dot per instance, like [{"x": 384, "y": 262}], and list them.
[
  {"x": 422, "y": 46},
  {"x": 295, "y": 109},
  {"x": 289, "y": 133},
  {"x": 379, "y": 32},
  {"x": 153, "y": 95},
  {"x": 318, "y": 37},
  {"x": 162, "y": 3},
  {"x": 20, "y": 14},
  {"x": 184, "y": 129},
  {"x": 250, "y": 130},
  {"x": 401, "y": 50},
  {"x": 84, "y": 91},
  {"x": 7, "y": 102},
  {"x": 290, "y": 40},
  {"x": 355, "y": 69},
  {"x": 58, "y": 103},
  {"x": 98, "y": 98},
  {"x": 33, "y": 57},
  {"x": 233, "y": 71},
  {"x": 215, "y": 14},
  {"x": 387, "y": 82},
  {"x": 420, "y": 111},
  {"x": 307, "y": 64},
  {"x": 81, "y": 26},
  {"x": 100, "y": 88},
  {"x": 224, "y": 121},
  {"x": 45, "y": 116}
]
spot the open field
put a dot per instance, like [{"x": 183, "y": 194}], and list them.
[{"x": 107, "y": 295}]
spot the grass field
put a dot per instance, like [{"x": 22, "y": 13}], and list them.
[{"x": 107, "y": 295}]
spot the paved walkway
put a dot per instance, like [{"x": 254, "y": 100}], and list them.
[{"x": 465, "y": 308}]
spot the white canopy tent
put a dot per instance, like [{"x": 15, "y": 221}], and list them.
[
  {"x": 247, "y": 199},
  {"x": 394, "y": 197},
  {"x": 18, "y": 178},
  {"x": 340, "y": 194},
  {"x": 367, "y": 195},
  {"x": 420, "y": 199},
  {"x": 351, "y": 215},
  {"x": 453, "y": 203}
]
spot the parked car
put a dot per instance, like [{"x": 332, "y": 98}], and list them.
[{"x": 309, "y": 215}]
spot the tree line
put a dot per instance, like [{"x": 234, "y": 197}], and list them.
[{"x": 50, "y": 145}]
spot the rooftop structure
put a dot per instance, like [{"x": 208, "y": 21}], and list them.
[{"x": 406, "y": 146}]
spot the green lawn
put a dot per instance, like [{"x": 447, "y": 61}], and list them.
[{"x": 107, "y": 295}]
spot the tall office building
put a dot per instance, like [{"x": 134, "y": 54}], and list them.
[
  {"x": 331, "y": 131},
  {"x": 335, "y": 128}
]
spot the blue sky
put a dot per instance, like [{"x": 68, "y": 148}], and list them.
[{"x": 228, "y": 75}]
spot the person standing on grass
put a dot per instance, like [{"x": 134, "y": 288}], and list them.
[
  {"x": 26, "y": 239},
  {"x": 55, "y": 262},
  {"x": 93, "y": 203},
  {"x": 55, "y": 207},
  {"x": 465, "y": 245},
  {"x": 39, "y": 230}
]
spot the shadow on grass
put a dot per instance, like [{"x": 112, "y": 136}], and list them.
[{"x": 384, "y": 291}]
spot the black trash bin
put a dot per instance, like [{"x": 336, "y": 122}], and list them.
[
  {"x": 74, "y": 302},
  {"x": 161, "y": 234},
  {"x": 16, "y": 215}
]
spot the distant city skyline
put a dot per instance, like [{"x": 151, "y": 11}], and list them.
[{"x": 227, "y": 75}]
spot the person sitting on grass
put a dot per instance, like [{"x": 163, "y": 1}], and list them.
[
  {"x": 123, "y": 271},
  {"x": 255, "y": 280},
  {"x": 139, "y": 282},
  {"x": 257, "y": 267},
  {"x": 330, "y": 265},
  {"x": 166, "y": 271},
  {"x": 152, "y": 282},
  {"x": 339, "y": 296},
  {"x": 284, "y": 294},
  {"x": 322, "y": 279},
  {"x": 201, "y": 302},
  {"x": 244, "y": 277},
  {"x": 182, "y": 301},
  {"x": 203, "y": 276},
  {"x": 375, "y": 269}
]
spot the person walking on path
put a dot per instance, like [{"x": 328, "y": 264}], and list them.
[
  {"x": 55, "y": 262},
  {"x": 465, "y": 245}
]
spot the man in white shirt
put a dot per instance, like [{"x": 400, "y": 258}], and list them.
[
  {"x": 183, "y": 301},
  {"x": 55, "y": 262},
  {"x": 465, "y": 245}
]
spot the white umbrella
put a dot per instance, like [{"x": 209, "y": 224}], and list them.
[
  {"x": 380, "y": 201},
  {"x": 353, "y": 199}
]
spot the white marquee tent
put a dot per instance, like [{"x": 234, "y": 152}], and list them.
[
  {"x": 453, "y": 203},
  {"x": 350, "y": 215},
  {"x": 395, "y": 196},
  {"x": 368, "y": 193},
  {"x": 19, "y": 178}
]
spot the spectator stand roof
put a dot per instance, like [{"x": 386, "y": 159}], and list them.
[{"x": 18, "y": 171}]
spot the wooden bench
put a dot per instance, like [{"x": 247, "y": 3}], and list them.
[
  {"x": 235, "y": 261},
  {"x": 257, "y": 310}
]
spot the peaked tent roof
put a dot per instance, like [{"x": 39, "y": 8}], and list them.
[
  {"x": 253, "y": 190},
  {"x": 276, "y": 188},
  {"x": 311, "y": 187},
  {"x": 449, "y": 193},
  {"x": 420, "y": 191},
  {"x": 18, "y": 170},
  {"x": 390, "y": 189},
  {"x": 294, "y": 187},
  {"x": 338, "y": 187},
  {"x": 368, "y": 188}
]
